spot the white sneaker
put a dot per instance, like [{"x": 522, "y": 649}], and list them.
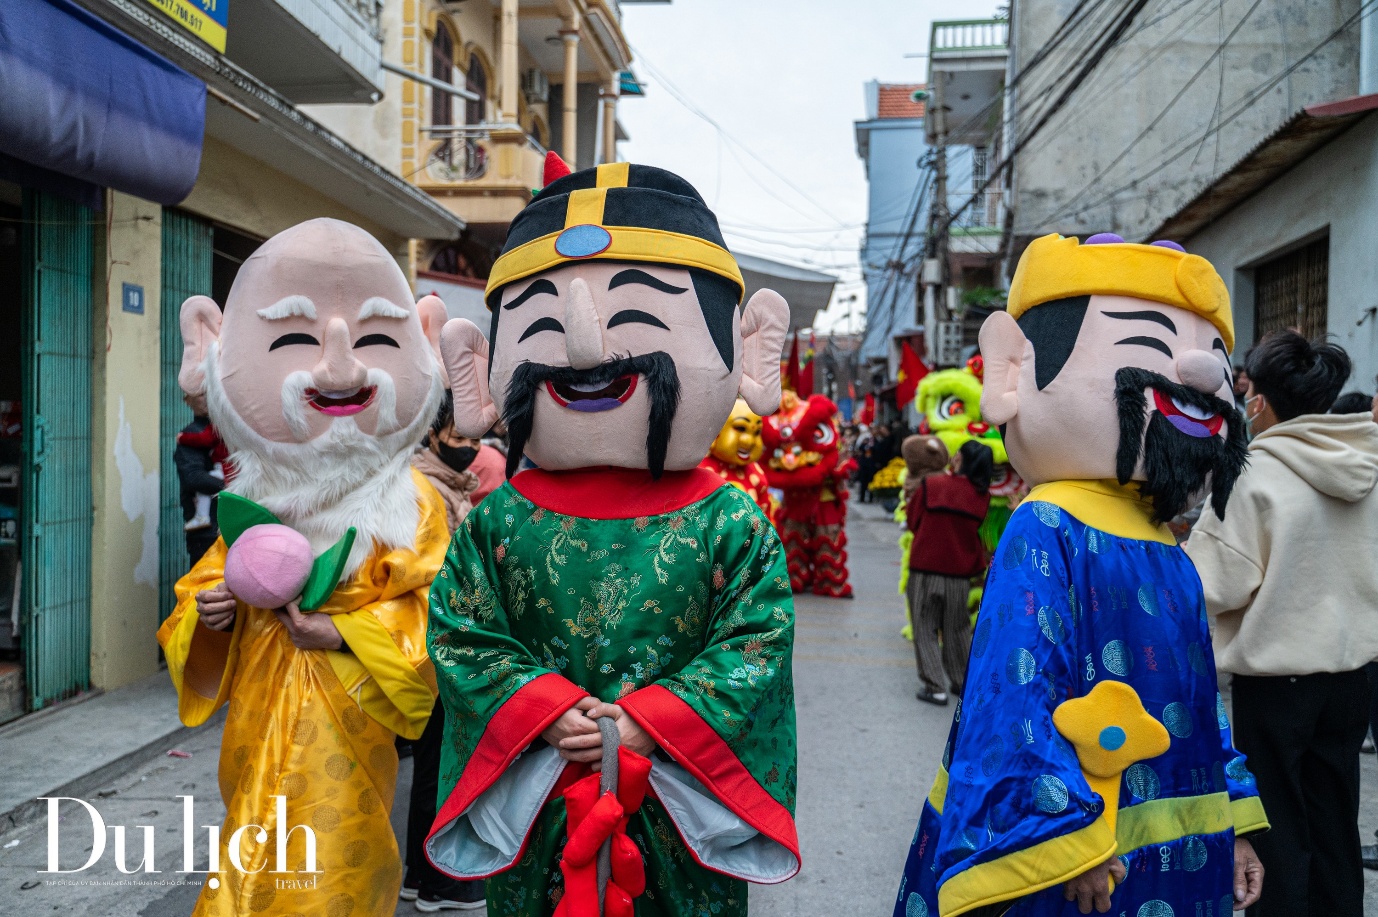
[
  {"x": 197, "y": 522},
  {"x": 426, "y": 906}
]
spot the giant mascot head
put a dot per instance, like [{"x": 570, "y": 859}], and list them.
[
  {"x": 321, "y": 375},
  {"x": 1113, "y": 361},
  {"x": 616, "y": 337}
]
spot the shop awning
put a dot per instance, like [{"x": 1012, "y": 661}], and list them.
[
  {"x": 85, "y": 100},
  {"x": 807, "y": 292}
]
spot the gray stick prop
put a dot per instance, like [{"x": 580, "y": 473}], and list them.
[{"x": 607, "y": 783}]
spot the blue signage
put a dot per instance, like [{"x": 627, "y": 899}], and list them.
[{"x": 133, "y": 299}]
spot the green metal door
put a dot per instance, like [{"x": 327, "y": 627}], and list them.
[
  {"x": 57, "y": 512},
  {"x": 187, "y": 257}
]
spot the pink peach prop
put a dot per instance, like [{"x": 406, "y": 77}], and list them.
[{"x": 268, "y": 565}]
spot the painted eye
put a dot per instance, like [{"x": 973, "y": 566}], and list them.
[
  {"x": 824, "y": 435},
  {"x": 951, "y": 406}
]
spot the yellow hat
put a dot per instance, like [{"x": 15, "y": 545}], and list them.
[{"x": 1056, "y": 268}]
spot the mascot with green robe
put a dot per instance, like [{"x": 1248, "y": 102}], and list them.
[{"x": 616, "y": 580}]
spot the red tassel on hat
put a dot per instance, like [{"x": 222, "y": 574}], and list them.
[{"x": 555, "y": 168}]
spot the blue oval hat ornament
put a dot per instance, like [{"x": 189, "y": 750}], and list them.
[{"x": 583, "y": 241}]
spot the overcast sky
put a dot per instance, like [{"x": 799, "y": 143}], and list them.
[{"x": 783, "y": 80}]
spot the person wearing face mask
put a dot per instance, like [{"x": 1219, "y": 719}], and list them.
[
  {"x": 444, "y": 458},
  {"x": 1289, "y": 580}
]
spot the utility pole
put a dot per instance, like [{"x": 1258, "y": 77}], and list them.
[{"x": 935, "y": 267}]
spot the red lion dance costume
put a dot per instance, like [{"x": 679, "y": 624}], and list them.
[{"x": 802, "y": 444}]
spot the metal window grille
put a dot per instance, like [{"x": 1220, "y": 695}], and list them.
[
  {"x": 188, "y": 254},
  {"x": 56, "y": 548},
  {"x": 1292, "y": 291}
]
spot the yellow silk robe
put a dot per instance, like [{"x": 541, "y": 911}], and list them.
[{"x": 314, "y": 726}]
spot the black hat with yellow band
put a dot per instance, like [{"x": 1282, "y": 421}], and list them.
[{"x": 614, "y": 212}]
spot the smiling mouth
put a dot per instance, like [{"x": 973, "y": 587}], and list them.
[
  {"x": 592, "y": 398},
  {"x": 1187, "y": 418},
  {"x": 341, "y": 404},
  {"x": 744, "y": 454}
]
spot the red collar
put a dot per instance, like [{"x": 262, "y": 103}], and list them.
[{"x": 615, "y": 493}]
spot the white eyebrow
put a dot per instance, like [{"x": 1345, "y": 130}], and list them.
[
  {"x": 289, "y": 307},
  {"x": 378, "y": 307}
]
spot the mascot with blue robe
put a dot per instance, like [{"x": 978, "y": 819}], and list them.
[{"x": 1089, "y": 764}]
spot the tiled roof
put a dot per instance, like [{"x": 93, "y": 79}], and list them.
[{"x": 896, "y": 101}]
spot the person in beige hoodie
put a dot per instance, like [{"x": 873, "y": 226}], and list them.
[{"x": 1291, "y": 584}]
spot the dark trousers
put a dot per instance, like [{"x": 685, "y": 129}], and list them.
[
  {"x": 200, "y": 541},
  {"x": 1301, "y": 734},
  {"x": 425, "y": 778}
]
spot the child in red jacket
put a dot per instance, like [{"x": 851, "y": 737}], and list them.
[{"x": 945, "y": 514}]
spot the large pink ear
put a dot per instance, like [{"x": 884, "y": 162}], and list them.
[
  {"x": 1002, "y": 349},
  {"x": 765, "y": 323},
  {"x": 433, "y": 314},
  {"x": 200, "y": 323},
  {"x": 465, "y": 353}
]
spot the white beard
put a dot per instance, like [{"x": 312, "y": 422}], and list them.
[{"x": 342, "y": 478}]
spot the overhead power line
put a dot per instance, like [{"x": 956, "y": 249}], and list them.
[
  {"x": 1263, "y": 89},
  {"x": 1110, "y": 36}
]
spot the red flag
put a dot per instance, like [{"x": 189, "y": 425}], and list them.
[
  {"x": 789, "y": 373},
  {"x": 868, "y": 411},
  {"x": 911, "y": 371},
  {"x": 805, "y": 376}
]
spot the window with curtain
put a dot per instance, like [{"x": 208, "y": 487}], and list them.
[
  {"x": 443, "y": 69},
  {"x": 477, "y": 83}
]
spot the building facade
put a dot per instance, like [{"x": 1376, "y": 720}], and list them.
[
  {"x": 1237, "y": 129},
  {"x": 1289, "y": 227},
  {"x": 890, "y": 143},
  {"x": 1120, "y": 121},
  {"x": 474, "y": 94},
  {"x": 101, "y": 240}
]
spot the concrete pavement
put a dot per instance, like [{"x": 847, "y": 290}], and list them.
[
  {"x": 868, "y": 749},
  {"x": 868, "y": 752}
]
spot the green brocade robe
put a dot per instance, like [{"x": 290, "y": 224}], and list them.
[{"x": 670, "y": 598}]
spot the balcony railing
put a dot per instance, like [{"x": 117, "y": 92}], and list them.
[
  {"x": 958, "y": 35},
  {"x": 370, "y": 11},
  {"x": 983, "y": 213},
  {"x": 462, "y": 153}
]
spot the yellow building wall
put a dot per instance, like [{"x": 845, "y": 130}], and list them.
[
  {"x": 124, "y": 445},
  {"x": 244, "y": 194}
]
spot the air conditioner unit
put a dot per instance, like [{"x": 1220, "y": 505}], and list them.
[{"x": 536, "y": 85}]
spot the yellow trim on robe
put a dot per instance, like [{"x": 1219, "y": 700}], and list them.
[
  {"x": 1162, "y": 821},
  {"x": 1248, "y": 815},
  {"x": 1026, "y": 871},
  {"x": 937, "y": 796},
  {"x": 1105, "y": 505},
  {"x": 629, "y": 243}
]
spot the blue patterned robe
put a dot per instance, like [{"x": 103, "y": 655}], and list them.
[{"x": 1010, "y": 817}]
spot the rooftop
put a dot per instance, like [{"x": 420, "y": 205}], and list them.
[
  {"x": 1302, "y": 134},
  {"x": 896, "y": 100}
]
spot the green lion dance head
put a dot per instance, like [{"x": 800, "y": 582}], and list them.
[{"x": 950, "y": 402}]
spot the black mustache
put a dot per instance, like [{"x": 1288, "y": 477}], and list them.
[
  {"x": 656, "y": 368},
  {"x": 1176, "y": 466}
]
